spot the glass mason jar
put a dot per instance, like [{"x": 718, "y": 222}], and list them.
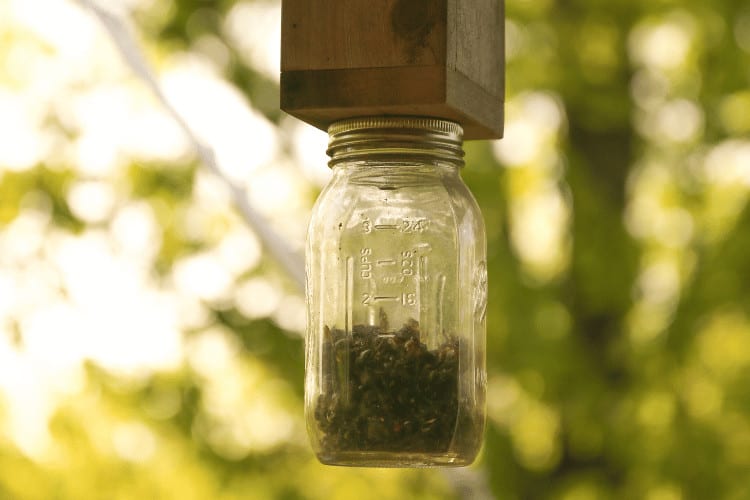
[{"x": 396, "y": 299}]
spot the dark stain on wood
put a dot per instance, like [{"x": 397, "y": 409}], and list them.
[{"x": 413, "y": 21}]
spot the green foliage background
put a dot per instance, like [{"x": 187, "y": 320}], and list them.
[{"x": 619, "y": 359}]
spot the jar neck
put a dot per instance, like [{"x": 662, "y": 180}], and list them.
[{"x": 395, "y": 141}]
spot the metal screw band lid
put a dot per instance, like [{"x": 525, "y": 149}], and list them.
[
  {"x": 436, "y": 125},
  {"x": 390, "y": 136}
]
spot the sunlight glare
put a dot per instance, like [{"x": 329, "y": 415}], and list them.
[
  {"x": 729, "y": 163},
  {"x": 23, "y": 143},
  {"x": 91, "y": 201},
  {"x": 540, "y": 221},
  {"x": 203, "y": 275},
  {"x": 533, "y": 122},
  {"x": 291, "y": 314},
  {"x": 23, "y": 238},
  {"x": 135, "y": 231},
  {"x": 219, "y": 114},
  {"x": 259, "y": 46},
  {"x": 240, "y": 250},
  {"x": 677, "y": 121},
  {"x": 664, "y": 45},
  {"x": 257, "y": 298},
  {"x": 660, "y": 282},
  {"x": 309, "y": 148},
  {"x": 134, "y": 442}
]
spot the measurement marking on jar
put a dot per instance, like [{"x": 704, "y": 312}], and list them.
[
  {"x": 349, "y": 294},
  {"x": 407, "y": 263},
  {"x": 386, "y": 226},
  {"x": 386, "y": 262},
  {"x": 393, "y": 280},
  {"x": 408, "y": 299},
  {"x": 420, "y": 269},
  {"x": 414, "y": 225},
  {"x": 385, "y": 297},
  {"x": 440, "y": 302},
  {"x": 365, "y": 263}
]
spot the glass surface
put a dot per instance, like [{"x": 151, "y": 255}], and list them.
[{"x": 396, "y": 285}]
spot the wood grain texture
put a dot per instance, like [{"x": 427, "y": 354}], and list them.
[
  {"x": 438, "y": 58},
  {"x": 476, "y": 42}
]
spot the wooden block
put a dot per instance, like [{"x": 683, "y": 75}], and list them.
[{"x": 441, "y": 58}]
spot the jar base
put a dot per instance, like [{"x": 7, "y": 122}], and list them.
[{"x": 386, "y": 459}]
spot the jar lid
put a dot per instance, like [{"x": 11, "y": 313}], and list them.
[
  {"x": 383, "y": 137},
  {"x": 434, "y": 125}
]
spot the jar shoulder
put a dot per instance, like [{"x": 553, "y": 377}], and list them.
[{"x": 389, "y": 188}]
